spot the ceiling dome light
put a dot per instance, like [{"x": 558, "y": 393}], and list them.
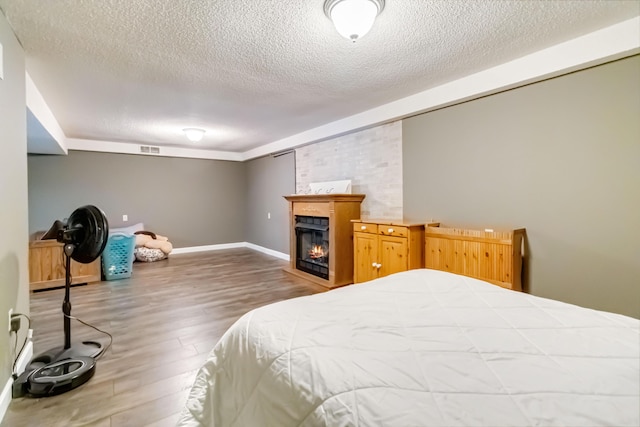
[
  {"x": 194, "y": 134},
  {"x": 353, "y": 18}
]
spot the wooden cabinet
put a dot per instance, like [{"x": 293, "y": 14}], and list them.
[
  {"x": 47, "y": 266},
  {"x": 381, "y": 248},
  {"x": 492, "y": 256},
  {"x": 365, "y": 252}
]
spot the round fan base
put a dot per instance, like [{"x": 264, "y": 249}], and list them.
[{"x": 61, "y": 376}]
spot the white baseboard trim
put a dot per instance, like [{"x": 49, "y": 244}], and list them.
[
  {"x": 25, "y": 358},
  {"x": 192, "y": 249},
  {"x": 268, "y": 251},
  {"x": 5, "y": 398},
  {"x": 23, "y": 361},
  {"x": 205, "y": 248}
]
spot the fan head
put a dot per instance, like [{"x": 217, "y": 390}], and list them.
[{"x": 88, "y": 231}]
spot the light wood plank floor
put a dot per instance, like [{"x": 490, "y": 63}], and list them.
[{"x": 164, "y": 320}]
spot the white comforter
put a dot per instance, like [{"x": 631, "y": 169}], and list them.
[{"x": 421, "y": 348}]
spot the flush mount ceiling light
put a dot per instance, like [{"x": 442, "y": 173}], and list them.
[
  {"x": 353, "y": 18},
  {"x": 194, "y": 134}
]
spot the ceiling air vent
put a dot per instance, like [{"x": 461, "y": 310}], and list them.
[{"x": 148, "y": 149}]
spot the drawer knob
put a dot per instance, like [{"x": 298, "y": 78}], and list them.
[
  {"x": 363, "y": 227},
  {"x": 390, "y": 230},
  {"x": 374, "y": 265},
  {"x": 378, "y": 265}
]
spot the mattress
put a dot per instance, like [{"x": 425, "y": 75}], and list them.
[{"x": 421, "y": 348}]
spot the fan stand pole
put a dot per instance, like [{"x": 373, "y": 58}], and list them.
[
  {"x": 66, "y": 304},
  {"x": 85, "y": 348}
]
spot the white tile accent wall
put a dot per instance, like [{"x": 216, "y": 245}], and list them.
[{"x": 371, "y": 159}]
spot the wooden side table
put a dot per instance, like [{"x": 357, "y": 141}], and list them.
[{"x": 46, "y": 266}]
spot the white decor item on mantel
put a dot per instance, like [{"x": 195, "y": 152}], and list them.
[{"x": 330, "y": 187}]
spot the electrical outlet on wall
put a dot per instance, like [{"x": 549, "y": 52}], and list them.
[
  {"x": 125, "y": 218},
  {"x": 9, "y": 324},
  {"x": 268, "y": 215}
]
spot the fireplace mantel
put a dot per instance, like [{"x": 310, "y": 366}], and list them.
[
  {"x": 340, "y": 209},
  {"x": 358, "y": 198}
]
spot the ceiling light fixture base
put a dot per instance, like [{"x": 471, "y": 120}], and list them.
[{"x": 329, "y": 4}]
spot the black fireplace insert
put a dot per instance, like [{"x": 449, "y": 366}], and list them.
[{"x": 312, "y": 234}]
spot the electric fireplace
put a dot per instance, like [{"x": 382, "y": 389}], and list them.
[{"x": 321, "y": 237}]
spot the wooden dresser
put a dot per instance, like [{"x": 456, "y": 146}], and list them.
[
  {"x": 47, "y": 266},
  {"x": 383, "y": 247}
]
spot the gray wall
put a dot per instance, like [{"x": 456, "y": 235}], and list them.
[
  {"x": 194, "y": 202},
  {"x": 268, "y": 179},
  {"x": 14, "y": 269},
  {"x": 560, "y": 158}
]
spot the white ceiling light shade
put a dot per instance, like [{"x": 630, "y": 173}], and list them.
[
  {"x": 194, "y": 134},
  {"x": 353, "y": 18}
]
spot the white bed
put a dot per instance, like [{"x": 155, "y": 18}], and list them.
[{"x": 421, "y": 348}]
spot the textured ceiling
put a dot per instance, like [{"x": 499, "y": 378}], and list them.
[{"x": 255, "y": 71}]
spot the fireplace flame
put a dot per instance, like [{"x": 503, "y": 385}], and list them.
[{"x": 316, "y": 252}]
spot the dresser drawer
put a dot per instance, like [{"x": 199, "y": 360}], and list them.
[
  {"x": 311, "y": 209},
  {"x": 365, "y": 227},
  {"x": 393, "y": 230}
]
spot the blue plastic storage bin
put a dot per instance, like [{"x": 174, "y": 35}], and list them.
[{"x": 117, "y": 258}]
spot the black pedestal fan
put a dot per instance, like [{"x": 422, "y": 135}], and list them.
[{"x": 64, "y": 368}]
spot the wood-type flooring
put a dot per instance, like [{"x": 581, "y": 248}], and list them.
[{"x": 164, "y": 320}]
